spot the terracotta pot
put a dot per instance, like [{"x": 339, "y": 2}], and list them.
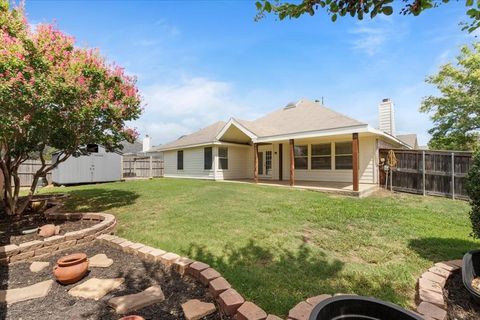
[
  {"x": 132, "y": 318},
  {"x": 48, "y": 230},
  {"x": 71, "y": 268}
]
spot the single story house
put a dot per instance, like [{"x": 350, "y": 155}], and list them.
[{"x": 303, "y": 141}]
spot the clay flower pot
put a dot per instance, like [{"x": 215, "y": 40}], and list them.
[
  {"x": 132, "y": 318},
  {"x": 48, "y": 230},
  {"x": 71, "y": 268}
]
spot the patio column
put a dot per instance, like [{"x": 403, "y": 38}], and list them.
[
  {"x": 292, "y": 163},
  {"x": 255, "y": 162},
  {"x": 355, "y": 161}
]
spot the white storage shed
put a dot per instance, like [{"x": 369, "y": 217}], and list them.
[{"x": 96, "y": 166}]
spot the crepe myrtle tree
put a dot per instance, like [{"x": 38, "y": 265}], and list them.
[
  {"x": 360, "y": 9},
  {"x": 55, "y": 95}
]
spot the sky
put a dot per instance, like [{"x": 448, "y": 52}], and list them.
[{"x": 198, "y": 62}]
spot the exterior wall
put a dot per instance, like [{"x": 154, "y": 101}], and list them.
[
  {"x": 193, "y": 166},
  {"x": 241, "y": 162},
  {"x": 367, "y": 167},
  {"x": 96, "y": 167}
]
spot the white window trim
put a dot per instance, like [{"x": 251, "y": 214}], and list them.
[
  {"x": 219, "y": 158},
  {"x": 332, "y": 150}
]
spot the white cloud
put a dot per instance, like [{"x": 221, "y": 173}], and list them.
[
  {"x": 370, "y": 40},
  {"x": 175, "y": 109}
]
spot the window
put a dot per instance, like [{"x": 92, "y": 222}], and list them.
[
  {"x": 92, "y": 148},
  {"x": 321, "y": 156},
  {"x": 301, "y": 157},
  {"x": 343, "y": 155},
  {"x": 223, "y": 158},
  {"x": 180, "y": 160},
  {"x": 207, "y": 158},
  {"x": 268, "y": 161}
]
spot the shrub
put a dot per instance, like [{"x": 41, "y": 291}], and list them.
[{"x": 473, "y": 189}]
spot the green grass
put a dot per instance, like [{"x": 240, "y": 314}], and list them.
[{"x": 278, "y": 246}]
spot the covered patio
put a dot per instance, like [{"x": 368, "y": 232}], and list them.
[{"x": 341, "y": 188}]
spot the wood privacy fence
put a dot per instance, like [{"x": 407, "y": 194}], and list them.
[
  {"x": 142, "y": 167},
  {"x": 438, "y": 173},
  {"x": 28, "y": 169}
]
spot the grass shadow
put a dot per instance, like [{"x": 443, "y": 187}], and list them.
[
  {"x": 441, "y": 249},
  {"x": 98, "y": 199},
  {"x": 276, "y": 280}
]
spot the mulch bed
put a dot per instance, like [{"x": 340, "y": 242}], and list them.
[
  {"x": 138, "y": 274},
  {"x": 11, "y": 230},
  {"x": 460, "y": 305}
]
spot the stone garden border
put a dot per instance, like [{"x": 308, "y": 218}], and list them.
[
  {"x": 39, "y": 249},
  {"x": 230, "y": 302},
  {"x": 429, "y": 292}
]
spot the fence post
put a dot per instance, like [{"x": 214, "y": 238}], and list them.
[
  {"x": 423, "y": 173},
  {"x": 453, "y": 175},
  {"x": 151, "y": 167}
]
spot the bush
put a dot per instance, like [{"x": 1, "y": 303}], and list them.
[{"x": 473, "y": 189}]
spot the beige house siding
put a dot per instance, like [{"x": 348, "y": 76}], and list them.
[
  {"x": 193, "y": 166},
  {"x": 241, "y": 162}
]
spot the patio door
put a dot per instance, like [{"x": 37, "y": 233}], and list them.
[{"x": 265, "y": 164}]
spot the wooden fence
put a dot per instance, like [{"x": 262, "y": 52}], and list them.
[
  {"x": 142, "y": 167},
  {"x": 438, "y": 173}
]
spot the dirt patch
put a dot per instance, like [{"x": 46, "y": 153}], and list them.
[
  {"x": 11, "y": 230},
  {"x": 138, "y": 274},
  {"x": 460, "y": 305}
]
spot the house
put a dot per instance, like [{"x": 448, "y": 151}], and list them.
[{"x": 303, "y": 141}]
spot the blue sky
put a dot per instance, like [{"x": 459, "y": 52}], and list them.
[{"x": 198, "y": 62}]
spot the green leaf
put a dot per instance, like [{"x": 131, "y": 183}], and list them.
[
  {"x": 268, "y": 6},
  {"x": 387, "y": 10},
  {"x": 469, "y": 3},
  {"x": 334, "y": 17},
  {"x": 259, "y": 5}
]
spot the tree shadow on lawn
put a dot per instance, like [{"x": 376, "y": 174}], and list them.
[
  {"x": 98, "y": 199},
  {"x": 278, "y": 279},
  {"x": 441, "y": 249}
]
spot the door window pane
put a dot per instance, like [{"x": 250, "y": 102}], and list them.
[{"x": 268, "y": 161}]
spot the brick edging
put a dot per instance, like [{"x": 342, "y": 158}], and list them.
[
  {"x": 40, "y": 249},
  {"x": 230, "y": 302},
  {"x": 429, "y": 290}
]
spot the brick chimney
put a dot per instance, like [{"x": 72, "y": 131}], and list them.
[{"x": 386, "y": 116}]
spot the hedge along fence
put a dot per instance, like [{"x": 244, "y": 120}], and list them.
[{"x": 438, "y": 173}]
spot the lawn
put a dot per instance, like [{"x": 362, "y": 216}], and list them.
[{"x": 278, "y": 246}]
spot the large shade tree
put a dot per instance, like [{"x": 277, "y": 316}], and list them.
[
  {"x": 455, "y": 112},
  {"x": 360, "y": 9},
  {"x": 54, "y": 94}
]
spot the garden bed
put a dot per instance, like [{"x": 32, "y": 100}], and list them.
[
  {"x": 11, "y": 231},
  {"x": 138, "y": 274},
  {"x": 460, "y": 305}
]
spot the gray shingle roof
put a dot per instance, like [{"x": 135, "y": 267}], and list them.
[
  {"x": 410, "y": 139},
  {"x": 204, "y": 135},
  {"x": 131, "y": 148},
  {"x": 303, "y": 116}
]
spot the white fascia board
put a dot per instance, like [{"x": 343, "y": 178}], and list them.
[
  {"x": 240, "y": 127},
  {"x": 212, "y": 143},
  {"x": 314, "y": 134}
]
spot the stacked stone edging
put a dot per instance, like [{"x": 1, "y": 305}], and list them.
[
  {"x": 41, "y": 249},
  {"x": 429, "y": 293},
  {"x": 230, "y": 302}
]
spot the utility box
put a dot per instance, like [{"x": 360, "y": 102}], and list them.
[{"x": 96, "y": 166}]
